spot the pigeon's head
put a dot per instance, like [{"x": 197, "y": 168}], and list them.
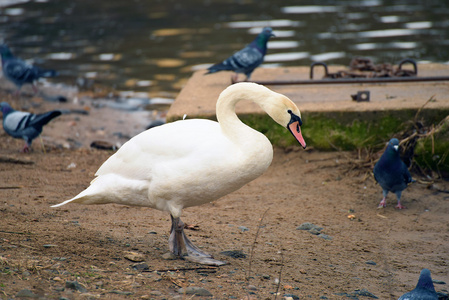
[
  {"x": 394, "y": 144},
  {"x": 266, "y": 33},
  {"x": 5, "y": 108},
  {"x": 425, "y": 280},
  {"x": 4, "y": 51}
]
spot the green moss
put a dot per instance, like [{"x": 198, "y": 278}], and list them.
[{"x": 357, "y": 130}]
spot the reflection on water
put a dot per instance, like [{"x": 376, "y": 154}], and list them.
[{"x": 154, "y": 46}]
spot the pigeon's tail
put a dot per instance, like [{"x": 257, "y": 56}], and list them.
[
  {"x": 43, "y": 119},
  {"x": 48, "y": 73},
  {"x": 219, "y": 67}
]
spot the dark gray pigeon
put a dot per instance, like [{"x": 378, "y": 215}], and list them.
[
  {"x": 19, "y": 72},
  {"x": 25, "y": 125},
  {"x": 424, "y": 289},
  {"x": 247, "y": 59},
  {"x": 391, "y": 173}
]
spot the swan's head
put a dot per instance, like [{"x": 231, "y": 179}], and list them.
[
  {"x": 286, "y": 114},
  {"x": 279, "y": 107}
]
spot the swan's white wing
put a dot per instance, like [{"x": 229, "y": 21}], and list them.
[{"x": 162, "y": 145}]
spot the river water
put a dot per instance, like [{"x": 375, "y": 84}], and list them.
[{"x": 154, "y": 46}]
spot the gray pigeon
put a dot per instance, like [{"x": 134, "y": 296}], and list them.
[
  {"x": 19, "y": 72},
  {"x": 247, "y": 59},
  {"x": 25, "y": 125},
  {"x": 391, "y": 173},
  {"x": 424, "y": 289}
]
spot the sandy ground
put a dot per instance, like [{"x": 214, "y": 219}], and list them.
[{"x": 82, "y": 252}]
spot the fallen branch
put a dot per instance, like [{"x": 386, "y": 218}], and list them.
[
  {"x": 183, "y": 269},
  {"x": 11, "y": 160}
]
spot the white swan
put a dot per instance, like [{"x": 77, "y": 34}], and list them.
[{"x": 192, "y": 162}]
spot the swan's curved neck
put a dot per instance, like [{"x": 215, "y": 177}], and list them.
[{"x": 230, "y": 124}]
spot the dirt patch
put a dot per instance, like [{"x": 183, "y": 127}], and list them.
[
  {"x": 80, "y": 252},
  {"x": 381, "y": 251}
]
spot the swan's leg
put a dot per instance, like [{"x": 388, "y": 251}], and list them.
[{"x": 181, "y": 246}]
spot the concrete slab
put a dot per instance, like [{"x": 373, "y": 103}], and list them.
[{"x": 199, "y": 96}]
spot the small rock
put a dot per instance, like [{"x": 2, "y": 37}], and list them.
[
  {"x": 438, "y": 281},
  {"x": 290, "y": 297},
  {"x": 121, "y": 292},
  {"x": 308, "y": 226},
  {"x": 243, "y": 228},
  {"x": 134, "y": 256},
  {"x": 315, "y": 231},
  {"x": 74, "y": 285},
  {"x": 103, "y": 145},
  {"x": 365, "y": 293},
  {"x": 252, "y": 287},
  {"x": 193, "y": 290},
  {"x": 140, "y": 267},
  {"x": 370, "y": 262},
  {"x": 155, "y": 293},
  {"x": 26, "y": 293},
  {"x": 267, "y": 277},
  {"x": 169, "y": 256},
  {"x": 234, "y": 253},
  {"x": 325, "y": 236},
  {"x": 49, "y": 246}
]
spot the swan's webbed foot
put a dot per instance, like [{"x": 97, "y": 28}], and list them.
[{"x": 182, "y": 247}]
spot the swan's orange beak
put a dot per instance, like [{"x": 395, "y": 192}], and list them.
[{"x": 295, "y": 129}]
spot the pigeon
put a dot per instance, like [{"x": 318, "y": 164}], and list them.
[
  {"x": 391, "y": 173},
  {"x": 247, "y": 59},
  {"x": 25, "y": 125},
  {"x": 19, "y": 72},
  {"x": 424, "y": 289}
]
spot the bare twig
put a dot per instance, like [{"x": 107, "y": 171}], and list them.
[
  {"x": 183, "y": 269},
  {"x": 421, "y": 108},
  {"x": 280, "y": 275},
  {"x": 253, "y": 246},
  {"x": 14, "y": 232}
]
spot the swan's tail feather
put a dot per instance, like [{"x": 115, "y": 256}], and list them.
[
  {"x": 62, "y": 203},
  {"x": 88, "y": 196}
]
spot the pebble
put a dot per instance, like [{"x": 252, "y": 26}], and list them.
[
  {"x": 234, "y": 253},
  {"x": 155, "y": 293},
  {"x": 49, "y": 246},
  {"x": 169, "y": 256},
  {"x": 26, "y": 293},
  {"x": 315, "y": 231},
  {"x": 243, "y": 228},
  {"x": 308, "y": 226},
  {"x": 140, "y": 266},
  {"x": 74, "y": 285},
  {"x": 134, "y": 256},
  {"x": 197, "y": 291},
  {"x": 438, "y": 281},
  {"x": 121, "y": 292},
  {"x": 325, "y": 236},
  {"x": 290, "y": 297},
  {"x": 370, "y": 262}
]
